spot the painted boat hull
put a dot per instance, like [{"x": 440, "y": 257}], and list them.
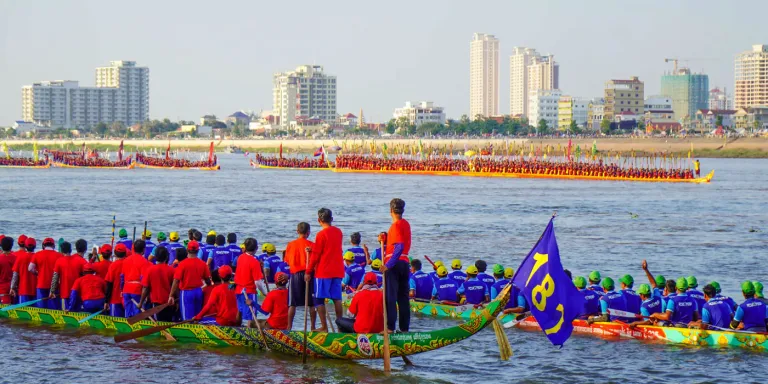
[
  {"x": 440, "y": 311},
  {"x": 62, "y": 165},
  {"x": 146, "y": 166},
  {"x": 257, "y": 165},
  {"x": 27, "y": 167}
]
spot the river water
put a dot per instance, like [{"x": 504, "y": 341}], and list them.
[{"x": 715, "y": 231}]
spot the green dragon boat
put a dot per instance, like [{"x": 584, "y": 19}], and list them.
[
  {"x": 443, "y": 311},
  {"x": 348, "y": 346}
]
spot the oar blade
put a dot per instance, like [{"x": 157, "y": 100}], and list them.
[
  {"x": 146, "y": 314},
  {"x": 91, "y": 316},
  {"x": 141, "y": 333},
  {"x": 20, "y": 305}
]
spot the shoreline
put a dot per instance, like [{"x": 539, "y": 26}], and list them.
[{"x": 702, "y": 147}]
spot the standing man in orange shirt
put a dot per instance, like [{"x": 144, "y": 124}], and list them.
[
  {"x": 114, "y": 283},
  {"x": 134, "y": 266},
  {"x": 188, "y": 280},
  {"x": 42, "y": 265},
  {"x": 396, "y": 267},
  {"x": 296, "y": 258},
  {"x": 326, "y": 264},
  {"x": 23, "y": 282},
  {"x": 7, "y": 259},
  {"x": 67, "y": 269},
  {"x": 248, "y": 278}
]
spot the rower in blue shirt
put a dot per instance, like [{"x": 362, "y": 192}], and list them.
[
  {"x": 715, "y": 312},
  {"x": 433, "y": 274},
  {"x": 681, "y": 309},
  {"x": 124, "y": 240},
  {"x": 501, "y": 282},
  {"x": 695, "y": 293},
  {"x": 206, "y": 250},
  {"x": 148, "y": 244},
  {"x": 650, "y": 305},
  {"x": 420, "y": 284},
  {"x": 517, "y": 302},
  {"x": 270, "y": 261},
  {"x": 173, "y": 246},
  {"x": 594, "y": 283},
  {"x": 591, "y": 299},
  {"x": 731, "y": 302},
  {"x": 631, "y": 298},
  {"x": 658, "y": 283},
  {"x": 359, "y": 252},
  {"x": 752, "y": 314},
  {"x": 353, "y": 273},
  {"x": 221, "y": 255},
  {"x": 446, "y": 288},
  {"x": 610, "y": 300},
  {"x": 457, "y": 274},
  {"x": 759, "y": 292},
  {"x": 482, "y": 266},
  {"x": 375, "y": 268},
  {"x": 473, "y": 290},
  {"x": 234, "y": 249}
]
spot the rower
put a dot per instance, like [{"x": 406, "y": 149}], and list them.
[
  {"x": 42, "y": 265},
  {"x": 123, "y": 239},
  {"x": 134, "y": 266},
  {"x": 223, "y": 300},
  {"x": 156, "y": 285},
  {"x": 397, "y": 262},
  {"x": 610, "y": 300},
  {"x": 694, "y": 293},
  {"x": 81, "y": 246},
  {"x": 353, "y": 273},
  {"x": 375, "y": 268},
  {"x": 368, "y": 307},
  {"x": 594, "y": 283},
  {"x": 173, "y": 246},
  {"x": 759, "y": 292},
  {"x": 631, "y": 298},
  {"x": 7, "y": 259},
  {"x": 162, "y": 241},
  {"x": 234, "y": 249},
  {"x": 88, "y": 292},
  {"x": 382, "y": 239},
  {"x": 680, "y": 309},
  {"x": 248, "y": 278},
  {"x": 591, "y": 299},
  {"x": 148, "y": 244},
  {"x": 752, "y": 314},
  {"x": 482, "y": 266},
  {"x": 433, "y": 274},
  {"x": 473, "y": 290},
  {"x": 670, "y": 291},
  {"x": 295, "y": 256},
  {"x": 270, "y": 261},
  {"x": 650, "y": 305},
  {"x": 326, "y": 266},
  {"x": 420, "y": 283},
  {"x": 731, "y": 302},
  {"x": 188, "y": 280},
  {"x": 114, "y": 282},
  {"x": 658, "y": 283},
  {"x": 276, "y": 304},
  {"x": 715, "y": 312},
  {"x": 446, "y": 288},
  {"x": 23, "y": 282},
  {"x": 359, "y": 252},
  {"x": 221, "y": 255},
  {"x": 456, "y": 272},
  {"x": 206, "y": 250},
  {"x": 101, "y": 267},
  {"x": 66, "y": 270}
]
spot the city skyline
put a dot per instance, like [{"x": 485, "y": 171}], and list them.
[{"x": 196, "y": 71}]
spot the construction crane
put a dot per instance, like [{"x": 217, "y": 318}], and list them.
[{"x": 674, "y": 61}]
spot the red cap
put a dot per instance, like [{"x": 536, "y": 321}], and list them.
[
  {"x": 225, "y": 271},
  {"x": 281, "y": 278},
  {"x": 88, "y": 268},
  {"x": 49, "y": 241},
  {"x": 30, "y": 242},
  {"x": 22, "y": 240},
  {"x": 120, "y": 248},
  {"x": 370, "y": 279},
  {"x": 193, "y": 246},
  {"x": 106, "y": 248}
]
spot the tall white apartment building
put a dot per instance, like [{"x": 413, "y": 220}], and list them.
[
  {"x": 483, "y": 75},
  {"x": 420, "y": 113},
  {"x": 65, "y": 104},
  {"x": 543, "y": 104},
  {"x": 528, "y": 72},
  {"x": 719, "y": 100},
  {"x": 306, "y": 92},
  {"x": 751, "y": 78}
]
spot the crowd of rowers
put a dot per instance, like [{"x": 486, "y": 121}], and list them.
[
  {"x": 174, "y": 163},
  {"x": 77, "y": 159},
  {"x": 22, "y": 162},
  {"x": 291, "y": 162}
]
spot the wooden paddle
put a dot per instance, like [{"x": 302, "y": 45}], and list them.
[
  {"x": 91, "y": 316},
  {"x": 167, "y": 334},
  {"x": 145, "y": 314},
  {"x": 253, "y": 313},
  {"x": 306, "y": 310},
  {"x": 385, "y": 349},
  {"x": 148, "y": 331}
]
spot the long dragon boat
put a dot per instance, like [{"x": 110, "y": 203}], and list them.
[
  {"x": 346, "y": 346},
  {"x": 46, "y": 166},
  {"x": 257, "y": 165},
  {"x": 147, "y": 166},
  {"x": 58, "y": 164},
  {"x": 440, "y": 310},
  {"x": 667, "y": 335}
]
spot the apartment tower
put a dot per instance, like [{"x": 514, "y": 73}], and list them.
[
  {"x": 751, "y": 78},
  {"x": 529, "y": 72},
  {"x": 483, "y": 75}
]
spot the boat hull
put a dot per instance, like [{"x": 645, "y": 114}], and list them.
[
  {"x": 27, "y": 167},
  {"x": 146, "y": 166},
  {"x": 257, "y": 165},
  {"x": 62, "y": 165}
]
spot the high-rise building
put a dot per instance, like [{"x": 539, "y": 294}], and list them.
[
  {"x": 543, "y": 105},
  {"x": 624, "y": 95},
  {"x": 719, "y": 100},
  {"x": 751, "y": 78},
  {"x": 570, "y": 109},
  {"x": 528, "y": 72},
  {"x": 483, "y": 75},
  {"x": 420, "y": 113},
  {"x": 121, "y": 94},
  {"x": 689, "y": 92},
  {"x": 306, "y": 93}
]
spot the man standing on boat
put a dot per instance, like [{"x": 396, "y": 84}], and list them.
[
  {"x": 134, "y": 266},
  {"x": 326, "y": 265},
  {"x": 396, "y": 267},
  {"x": 23, "y": 281},
  {"x": 188, "y": 280},
  {"x": 67, "y": 269},
  {"x": 7, "y": 259},
  {"x": 296, "y": 257},
  {"x": 248, "y": 278},
  {"x": 42, "y": 265}
]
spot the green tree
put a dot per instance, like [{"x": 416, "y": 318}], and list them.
[
  {"x": 605, "y": 126},
  {"x": 719, "y": 120},
  {"x": 101, "y": 129},
  {"x": 117, "y": 128},
  {"x": 542, "y": 127},
  {"x": 391, "y": 126},
  {"x": 573, "y": 128}
]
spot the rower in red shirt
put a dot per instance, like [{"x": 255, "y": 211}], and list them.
[
  {"x": 88, "y": 292},
  {"x": 296, "y": 258},
  {"x": 7, "y": 259},
  {"x": 247, "y": 278},
  {"x": 223, "y": 301},
  {"x": 276, "y": 303},
  {"x": 42, "y": 265},
  {"x": 23, "y": 282},
  {"x": 326, "y": 265},
  {"x": 396, "y": 267},
  {"x": 367, "y": 306},
  {"x": 133, "y": 267},
  {"x": 157, "y": 282},
  {"x": 188, "y": 282},
  {"x": 101, "y": 267},
  {"x": 66, "y": 270},
  {"x": 114, "y": 282}
]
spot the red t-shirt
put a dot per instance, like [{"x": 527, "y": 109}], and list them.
[
  {"x": 158, "y": 278},
  {"x": 133, "y": 267},
  {"x": 90, "y": 287},
  {"x": 276, "y": 303},
  {"x": 368, "y": 308},
  {"x": 296, "y": 256},
  {"x": 27, "y": 280},
  {"x": 399, "y": 232},
  {"x": 69, "y": 269},
  {"x": 326, "y": 260},
  {"x": 113, "y": 276},
  {"x": 6, "y": 271},
  {"x": 191, "y": 272},
  {"x": 247, "y": 273},
  {"x": 222, "y": 303},
  {"x": 44, "y": 261},
  {"x": 207, "y": 293},
  {"x": 101, "y": 268}
]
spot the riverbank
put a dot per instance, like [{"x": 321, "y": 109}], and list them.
[{"x": 702, "y": 147}]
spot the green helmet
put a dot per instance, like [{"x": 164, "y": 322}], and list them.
[
  {"x": 580, "y": 282},
  {"x": 692, "y": 282},
  {"x": 644, "y": 289},
  {"x": 161, "y": 236},
  {"x": 608, "y": 284},
  {"x": 627, "y": 280},
  {"x": 498, "y": 269},
  {"x": 122, "y": 233},
  {"x": 748, "y": 288},
  {"x": 682, "y": 284},
  {"x": 660, "y": 281},
  {"x": 594, "y": 277},
  {"x": 715, "y": 285},
  {"x": 758, "y": 288}
]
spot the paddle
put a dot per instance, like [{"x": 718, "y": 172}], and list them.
[
  {"x": 148, "y": 313},
  {"x": 385, "y": 351},
  {"x": 91, "y": 316},
  {"x": 253, "y": 313},
  {"x": 306, "y": 310},
  {"x": 430, "y": 261},
  {"x": 167, "y": 334},
  {"x": 621, "y": 313},
  {"x": 148, "y": 331},
  {"x": 517, "y": 320},
  {"x": 22, "y": 305}
]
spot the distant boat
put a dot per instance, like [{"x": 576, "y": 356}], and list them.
[{"x": 232, "y": 149}]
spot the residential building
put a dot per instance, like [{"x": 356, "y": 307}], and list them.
[
  {"x": 689, "y": 92},
  {"x": 624, "y": 95},
  {"x": 528, "y": 72},
  {"x": 24, "y": 128},
  {"x": 121, "y": 94},
  {"x": 306, "y": 92},
  {"x": 236, "y": 118},
  {"x": 751, "y": 119},
  {"x": 595, "y": 113},
  {"x": 483, "y": 75},
  {"x": 199, "y": 130},
  {"x": 706, "y": 119},
  {"x": 423, "y": 112},
  {"x": 719, "y": 99},
  {"x": 348, "y": 121},
  {"x": 543, "y": 104},
  {"x": 658, "y": 109},
  {"x": 751, "y": 77},
  {"x": 572, "y": 109}
]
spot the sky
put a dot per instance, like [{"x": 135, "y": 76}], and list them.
[{"x": 219, "y": 57}]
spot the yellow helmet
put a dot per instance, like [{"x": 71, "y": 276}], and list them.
[
  {"x": 456, "y": 264},
  {"x": 441, "y": 271},
  {"x": 211, "y": 233},
  {"x": 268, "y": 248},
  {"x": 349, "y": 256},
  {"x": 509, "y": 273},
  {"x": 147, "y": 233},
  {"x": 472, "y": 270},
  {"x": 438, "y": 264},
  {"x": 376, "y": 264},
  {"x": 174, "y": 236},
  {"x": 242, "y": 247}
]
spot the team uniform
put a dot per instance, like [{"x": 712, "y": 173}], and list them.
[
  {"x": 44, "y": 262},
  {"x": 474, "y": 291},
  {"x": 235, "y": 251},
  {"x": 650, "y": 306},
  {"x": 613, "y": 300},
  {"x": 458, "y": 275},
  {"x": 353, "y": 276},
  {"x": 221, "y": 256},
  {"x": 27, "y": 280},
  {"x": 422, "y": 285},
  {"x": 6, "y": 275},
  {"x": 127, "y": 242},
  {"x": 716, "y": 312},
  {"x": 101, "y": 268},
  {"x": 632, "y": 300},
  {"x": 731, "y": 302},
  {"x": 753, "y": 314},
  {"x": 591, "y": 303},
  {"x": 446, "y": 289},
  {"x": 683, "y": 308},
  {"x": 114, "y": 276},
  {"x": 367, "y": 306},
  {"x": 327, "y": 265},
  {"x": 295, "y": 256},
  {"x": 397, "y": 261},
  {"x": 597, "y": 288},
  {"x": 487, "y": 279},
  {"x": 172, "y": 247},
  {"x": 359, "y": 253},
  {"x": 88, "y": 294},
  {"x": 133, "y": 268},
  {"x": 276, "y": 304},
  {"x": 247, "y": 274},
  {"x": 149, "y": 247},
  {"x": 223, "y": 305},
  {"x": 68, "y": 268},
  {"x": 190, "y": 273},
  {"x": 271, "y": 262},
  {"x": 159, "y": 278},
  {"x": 698, "y": 296}
]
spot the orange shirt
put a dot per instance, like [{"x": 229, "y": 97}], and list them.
[
  {"x": 326, "y": 260},
  {"x": 368, "y": 307},
  {"x": 247, "y": 273},
  {"x": 276, "y": 303},
  {"x": 27, "y": 280},
  {"x": 399, "y": 232},
  {"x": 44, "y": 261},
  {"x": 191, "y": 272},
  {"x": 6, "y": 271},
  {"x": 223, "y": 304},
  {"x": 101, "y": 268},
  {"x": 158, "y": 278},
  {"x": 69, "y": 269},
  {"x": 133, "y": 267},
  {"x": 113, "y": 276},
  {"x": 90, "y": 287},
  {"x": 295, "y": 256}
]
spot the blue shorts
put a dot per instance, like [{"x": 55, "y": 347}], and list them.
[
  {"x": 245, "y": 312},
  {"x": 116, "y": 310},
  {"x": 43, "y": 293},
  {"x": 129, "y": 303},
  {"x": 191, "y": 303},
  {"x": 328, "y": 288},
  {"x": 93, "y": 306}
]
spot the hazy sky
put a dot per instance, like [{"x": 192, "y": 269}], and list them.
[{"x": 219, "y": 56}]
